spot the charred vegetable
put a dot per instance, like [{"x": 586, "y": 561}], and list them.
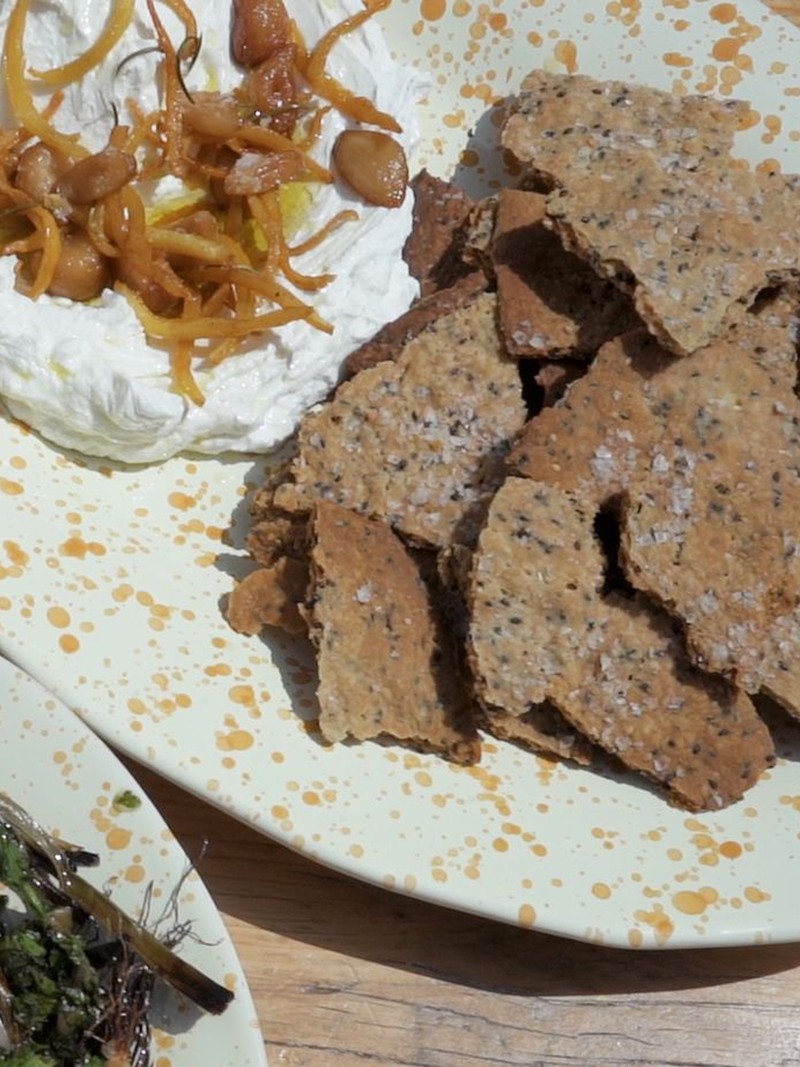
[{"x": 76, "y": 973}]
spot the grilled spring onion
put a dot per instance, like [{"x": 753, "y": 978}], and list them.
[{"x": 76, "y": 972}]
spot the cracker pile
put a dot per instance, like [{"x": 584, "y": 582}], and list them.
[{"x": 558, "y": 502}]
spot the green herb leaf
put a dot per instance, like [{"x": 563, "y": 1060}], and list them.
[{"x": 125, "y": 800}]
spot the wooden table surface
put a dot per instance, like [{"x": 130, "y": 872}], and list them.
[{"x": 346, "y": 975}]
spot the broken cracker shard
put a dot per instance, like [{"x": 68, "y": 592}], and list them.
[
  {"x": 541, "y": 630},
  {"x": 644, "y": 191},
  {"x": 620, "y": 571},
  {"x": 385, "y": 666}
]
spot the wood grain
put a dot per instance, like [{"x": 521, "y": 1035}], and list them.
[{"x": 347, "y": 975}]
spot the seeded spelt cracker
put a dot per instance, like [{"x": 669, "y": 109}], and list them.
[
  {"x": 599, "y": 437},
  {"x": 389, "y": 342},
  {"x": 531, "y": 582},
  {"x": 565, "y": 125},
  {"x": 384, "y": 670},
  {"x": 646, "y": 192},
  {"x": 553, "y": 378},
  {"x": 434, "y": 246},
  {"x": 550, "y": 302},
  {"x": 543, "y": 730},
  {"x": 478, "y": 237},
  {"x": 690, "y": 245},
  {"x": 420, "y": 442},
  {"x": 590, "y": 442},
  {"x": 614, "y": 667},
  {"x": 768, "y": 332},
  {"x": 711, "y": 526},
  {"x": 276, "y": 536},
  {"x": 270, "y": 596}
]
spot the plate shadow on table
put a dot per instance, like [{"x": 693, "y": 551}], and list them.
[{"x": 262, "y": 883}]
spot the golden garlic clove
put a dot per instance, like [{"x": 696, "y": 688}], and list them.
[{"x": 373, "y": 164}]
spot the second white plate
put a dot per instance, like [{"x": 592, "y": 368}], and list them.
[{"x": 67, "y": 779}]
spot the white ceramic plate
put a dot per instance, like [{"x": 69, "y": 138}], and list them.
[
  {"x": 110, "y": 581},
  {"x": 67, "y": 779}
]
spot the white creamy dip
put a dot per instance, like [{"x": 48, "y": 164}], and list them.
[{"x": 84, "y": 376}]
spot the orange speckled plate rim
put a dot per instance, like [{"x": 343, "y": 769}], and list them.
[{"x": 111, "y": 578}]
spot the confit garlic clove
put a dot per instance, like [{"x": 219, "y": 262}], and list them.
[
  {"x": 259, "y": 29},
  {"x": 82, "y": 273},
  {"x": 213, "y": 115},
  {"x": 38, "y": 170},
  {"x": 373, "y": 164},
  {"x": 270, "y": 90},
  {"x": 255, "y": 173},
  {"x": 94, "y": 177}
]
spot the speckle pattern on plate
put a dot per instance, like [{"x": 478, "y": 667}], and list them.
[
  {"x": 110, "y": 582},
  {"x": 72, "y": 784}
]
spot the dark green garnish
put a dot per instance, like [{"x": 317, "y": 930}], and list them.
[
  {"x": 76, "y": 972},
  {"x": 125, "y": 800}
]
